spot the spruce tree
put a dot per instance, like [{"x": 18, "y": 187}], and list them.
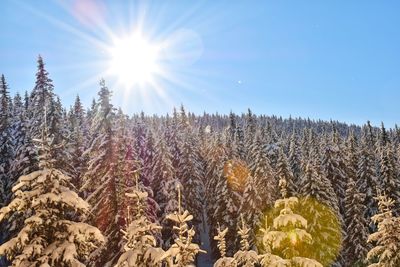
[
  {"x": 334, "y": 169},
  {"x": 223, "y": 260},
  {"x": 164, "y": 184},
  {"x": 245, "y": 256},
  {"x": 250, "y": 208},
  {"x": 355, "y": 241},
  {"x": 294, "y": 159},
  {"x": 264, "y": 176},
  {"x": 183, "y": 252},
  {"x": 41, "y": 98},
  {"x": 366, "y": 173},
  {"x": 78, "y": 143},
  {"x": 191, "y": 174},
  {"x": 320, "y": 207},
  {"x": 285, "y": 243},
  {"x": 6, "y": 144},
  {"x": 100, "y": 179},
  {"x": 386, "y": 240},
  {"x": 53, "y": 233},
  {"x": 389, "y": 174},
  {"x": 140, "y": 248},
  {"x": 284, "y": 173}
]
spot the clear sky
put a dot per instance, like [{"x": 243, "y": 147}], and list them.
[{"x": 317, "y": 59}]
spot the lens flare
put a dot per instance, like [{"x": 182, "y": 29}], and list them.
[{"x": 236, "y": 173}]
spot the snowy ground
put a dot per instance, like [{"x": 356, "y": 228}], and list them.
[{"x": 205, "y": 260}]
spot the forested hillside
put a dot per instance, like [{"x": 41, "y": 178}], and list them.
[{"x": 92, "y": 186}]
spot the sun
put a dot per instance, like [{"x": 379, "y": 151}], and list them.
[{"x": 134, "y": 60}]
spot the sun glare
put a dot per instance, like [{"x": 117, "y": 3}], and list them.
[{"x": 134, "y": 61}]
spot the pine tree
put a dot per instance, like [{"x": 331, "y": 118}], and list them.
[
  {"x": 285, "y": 244},
  {"x": 250, "y": 130},
  {"x": 386, "y": 241},
  {"x": 25, "y": 156},
  {"x": 264, "y": 177},
  {"x": 223, "y": 261},
  {"x": 389, "y": 174},
  {"x": 294, "y": 159},
  {"x": 164, "y": 185},
  {"x": 183, "y": 252},
  {"x": 319, "y": 206},
  {"x": 245, "y": 257},
  {"x": 145, "y": 149},
  {"x": 239, "y": 145},
  {"x": 78, "y": 141},
  {"x": 140, "y": 248},
  {"x": 53, "y": 233},
  {"x": 250, "y": 208},
  {"x": 334, "y": 169},
  {"x": 366, "y": 174},
  {"x": 57, "y": 128},
  {"x": 40, "y": 100},
  {"x": 191, "y": 175},
  {"x": 6, "y": 145},
  {"x": 100, "y": 179},
  {"x": 284, "y": 173},
  {"x": 217, "y": 156},
  {"x": 355, "y": 242}
]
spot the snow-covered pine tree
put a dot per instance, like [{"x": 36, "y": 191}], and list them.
[
  {"x": 223, "y": 261},
  {"x": 285, "y": 244},
  {"x": 355, "y": 242},
  {"x": 164, "y": 185},
  {"x": 144, "y": 147},
  {"x": 352, "y": 155},
  {"x": 355, "y": 245},
  {"x": 239, "y": 144},
  {"x": 333, "y": 168},
  {"x": 250, "y": 131},
  {"x": 42, "y": 96},
  {"x": 140, "y": 248},
  {"x": 214, "y": 173},
  {"x": 57, "y": 128},
  {"x": 366, "y": 173},
  {"x": 6, "y": 144},
  {"x": 173, "y": 138},
  {"x": 53, "y": 233},
  {"x": 264, "y": 176},
  {"x": 383, "y": 138},
  {"x": 77, "y": 143},
  {"x": 183, "y": 252},
  {"x": 221, "y": 207},
  {"x": 126, "y": 168},
  {"x": 90, "y": 115},
  {"x": 389, "y": 174},
  {"x": 251, "y": 208},
  {"x": 232, "y": 127},
  {"x": 245, "y": 256},
  {"x": 283, "y": 172},
  {"x": 25, "y": 157},
  {"x": 294, "y": 159},
  {"x": 191, "y": 175},
  {"x": 145, "y": 150},
  {"x": 386, "y": 240},
  {"x": 100, "y": 179},
  {"x": 319, "y": 206}
]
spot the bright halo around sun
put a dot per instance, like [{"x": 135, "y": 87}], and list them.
[{"x": 133, "y": 60}]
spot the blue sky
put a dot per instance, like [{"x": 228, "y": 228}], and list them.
[{"x": 317, "y": 59}]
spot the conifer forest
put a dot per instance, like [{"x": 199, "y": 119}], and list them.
[{"x": 93, "y": 186}]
